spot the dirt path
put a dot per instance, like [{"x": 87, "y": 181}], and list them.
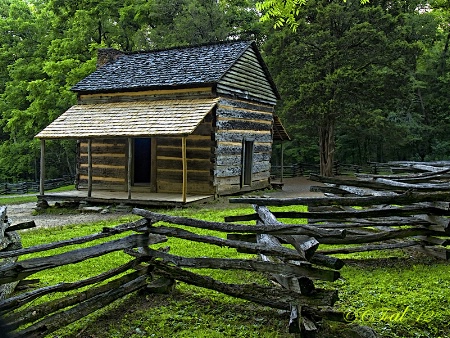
[
  {"x": 19, "y": 213},
  {"x": 297, "y": 187}
]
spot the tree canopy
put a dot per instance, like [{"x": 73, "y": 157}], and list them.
[
  {"x": 353, "y": 79},
  {"x": 360, "y": 82}
]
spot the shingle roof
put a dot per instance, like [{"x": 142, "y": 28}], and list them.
[
  {"x": 130, "y": 119},
  {"x": 176, "y": 67}
]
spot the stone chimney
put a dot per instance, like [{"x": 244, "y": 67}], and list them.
[{"x": 106, "y": 55}]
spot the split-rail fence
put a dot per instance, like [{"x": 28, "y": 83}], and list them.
[
  {"x": 151, "y": 267},
  {"x": 363, "y": 214}
]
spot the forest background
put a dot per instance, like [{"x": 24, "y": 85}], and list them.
[{"x": 359, "y": 82}]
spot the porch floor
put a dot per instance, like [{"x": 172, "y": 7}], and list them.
[{"x": 121, "y": 197}]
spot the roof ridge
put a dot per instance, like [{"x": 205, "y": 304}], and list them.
[{"x": 182, "y": 47}]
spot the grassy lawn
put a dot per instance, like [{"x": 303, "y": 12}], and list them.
[
  {"x": 397, "y": 293},
  {"x": 31, "y": 197}
]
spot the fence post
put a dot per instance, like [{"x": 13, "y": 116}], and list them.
[
  {"x": 42, "y": 179},
  {"x": 9, "y": 241}
]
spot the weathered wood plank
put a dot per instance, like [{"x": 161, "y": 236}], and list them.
[
  {"x": 130, "y": 226},
  {"x": 117, "y": 172},
  {"x": 365, "y": 248},
  {"x": 55, "y": 321},
  {"x": 243, "y": 125},
  {"x": 25, "y": 268},
  {"x": 401, "y": 199},
  {"x": 254, "y": 248},
  {"x": 233, "y": 113},
  {"x": 282, "y": 229},
  {"x": 227, "y": 102},
  {"x": 192, "y": 141},
  {"x": 197, "y": 187},
  {"x": 177, "y": 163},
  {"x": 382, "y": 184},
  {"x": 15, "y": 302},
  {"x": 191, "y": 153},
  {"x": 40, "y": 311},
  {"x": 175, "y": 176},
  {"x": 146, "y": 95},
  {"x": 380, "y": 236},
  {"x": 327, "y": 261},
  {"x": 292, "y": 270},
  {"x": 268, "y": 296},
  {"x": 234, "y": 136}
]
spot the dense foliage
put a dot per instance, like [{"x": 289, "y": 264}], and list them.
[
  {"x": 355, "y": 70},
  {"x": 360, "y": 82}
]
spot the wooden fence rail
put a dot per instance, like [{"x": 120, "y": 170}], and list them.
[
  {"x": 29, "y": 187},
  {"x": 372, "y": 168},
  {"x": 378, "y": 212}
]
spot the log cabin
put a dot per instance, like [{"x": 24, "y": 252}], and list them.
[{"x": 191, "y": 122}]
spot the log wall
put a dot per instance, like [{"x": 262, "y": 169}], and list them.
[
  {"x": 199, "y": 155},
  {"x": 214, "y": 153},
  {"x": 109, "y": 164},
  {"x": 200, "y": 92},
  {"x": 236, "y": 122}
]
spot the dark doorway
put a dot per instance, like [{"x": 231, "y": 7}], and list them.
[
  {"x": 247, "y": 162},
  {"x": 142, "y": 160}
]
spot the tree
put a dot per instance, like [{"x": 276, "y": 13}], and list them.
[
  {"x": 433, "y": 85},
  {"x": 49, "y": 45},
  {"x": 345, "y": 64},
  {"x": 284, "y": 11},
  {"x": 190, "y": 22}
]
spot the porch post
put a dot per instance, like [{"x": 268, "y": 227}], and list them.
[
  {"x": 282, "y": 161},
  {"x": 183, "y": 151},
  {"x": 89, "y": 150},
  {"x": 42, "y": 168},
  {"x": 130, "y": 162}
]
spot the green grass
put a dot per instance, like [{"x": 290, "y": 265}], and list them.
[
  {"x": 31, "y": 197},
  {"x": 403, "y": 297},
  {"x": 398, "y": 295}
]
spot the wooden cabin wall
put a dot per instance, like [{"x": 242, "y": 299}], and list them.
[
  {"x": 109, "y": 164},
  {"x": 237, "y": 121},
  {"x": 247, "y": 80},
  {"x": 214, "y": 150},
  {"x": 199, "y": 152},
  {"x": 149, "y": 95}
]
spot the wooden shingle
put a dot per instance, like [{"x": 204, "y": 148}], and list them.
[{"x": 130, "y": 119}]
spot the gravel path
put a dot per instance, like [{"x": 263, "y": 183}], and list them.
[{"x": 19, "y": 213}]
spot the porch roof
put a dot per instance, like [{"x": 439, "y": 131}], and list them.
[
  {"x": 130, "y": 119},
  {"x": 279, "y": 132}
]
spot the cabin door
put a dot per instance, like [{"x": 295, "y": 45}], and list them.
[
  {"x": 142, "y": 160},
  {"x": 247, "y": 162}
]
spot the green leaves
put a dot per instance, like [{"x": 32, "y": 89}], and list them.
[
  {"x": 283, "y": 12},
  {"x": 183, "y": 22}
]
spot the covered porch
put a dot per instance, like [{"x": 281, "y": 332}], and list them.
[{"x": 172, "y": 119}]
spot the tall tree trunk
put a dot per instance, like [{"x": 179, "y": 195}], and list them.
[{"x": 327, "y": 147}]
